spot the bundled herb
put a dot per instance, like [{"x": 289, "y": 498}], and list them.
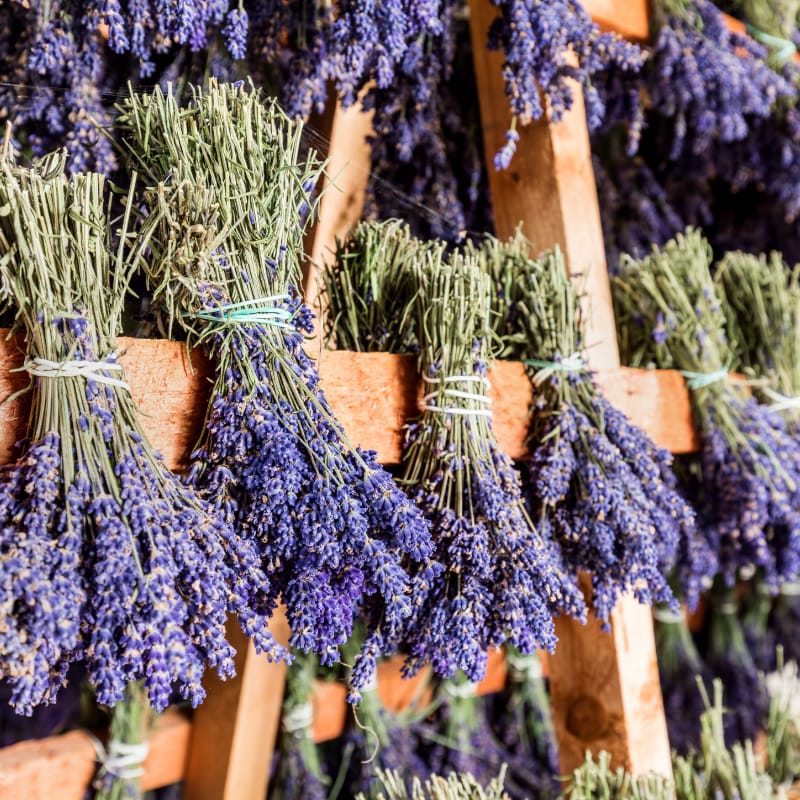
[
  {"x": 523, "y": 724},
  {"x": 299, "y": 772},
  {"x": 370, "y": 286},
  {"x": 679, "y": 667},
  {"x": 454, "y": 787},
  {"x": 669, "y": 316},
  {"x": 758, "y": 636},
  {"x": 108, "y": 557},
  {"x": 761, "y": 300},
  {"x": 783, "y": 723},
  {"x": 784, "y": 621},
  {"x": 596, "y": 779},
  {"x": 327, "y": 525},
  {"x": 500, "y": 580},
  {"x": 121, "y": 766},
  {"x": 729, "y": 660},
  {"x": 598, "y": 485}
]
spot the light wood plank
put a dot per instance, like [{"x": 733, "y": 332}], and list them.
[
  {"x": 627, "y": 18},
  {"x": 604, "y": 687}
]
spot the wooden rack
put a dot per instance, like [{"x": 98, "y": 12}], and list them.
[{"x": 605, "y": 688}]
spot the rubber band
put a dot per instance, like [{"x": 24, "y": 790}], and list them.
[
  {"x": 256, "y": 311},
  {"x": 667, "y": 616},
  {"x": 700, "y": 380},
  {"x": 791, "y": 589},
  {"x": 780, "y": 402},
  {"x": 547, "y": 369},
  {"x": 122, "y": 760},
  {"x": 78, "y": 368},
  {"x": 299, "y": 718}
]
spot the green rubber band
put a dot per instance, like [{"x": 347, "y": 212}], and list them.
[
  {"x": 250, "y": 311},
  {"x": 785, "y": 47},
  {"x": 700, "y": 380}
]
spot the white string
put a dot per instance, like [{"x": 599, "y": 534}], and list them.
[
  {"x": 668, "y": 616},
  {"x": 529, "y": 666},
  {"x": 123, "y": 760},
  {"x": 458, "y": 394},
  {"x": 573, "y": 363},
  {"x": 780, "y": 402},
  {"x": 460, "y": 689},
  {"x": 299, "y": 718},
  {"x": 790, "y": 589},
  {"x": 45, "y": 368}
]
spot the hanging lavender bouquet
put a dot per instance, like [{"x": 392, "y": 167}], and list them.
[
  {"x": 300, "y": 772},
  {"x": 597, "y": 484},
  {"x": 500, "y": 579},
  {"x": 679, "y": 667},
  {"x": 761, "y": 299},
  {"x": 669, "y": 316},
  {"x": 328, "y": 526},
  {"x": 108, "y": 557}
]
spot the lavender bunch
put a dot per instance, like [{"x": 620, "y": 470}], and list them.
[
  {"x": 333, "y": 534},
  {"x": 454, "y": 787},
  {"x": 758, "y": 636},
  {"x": 499, "y": 580},
  {"x": 669, "y": 316},
  {"x": 109, "y": 557},
  {"x": 761, "y": 300},
  {"x": 596, "y": 779},
  {"x": 729, "y": 660},
  {"x": 784, "y": 621},
  {"x": 679, "y": 667},
  {"x": 598, "y": 485},
  {"x": 370, "y": 286},
  {"x": 546, "y": 45},
  {"x": 300, "y": 772}
]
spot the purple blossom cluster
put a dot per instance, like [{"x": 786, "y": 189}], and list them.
[
  {"x": 330, "y": 529},
  {"x": 539, "y": 39},
  {"x": 124, "y": 570}
]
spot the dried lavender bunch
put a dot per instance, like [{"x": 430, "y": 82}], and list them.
[
  {"x": 300, "y": 772},
  {"x": 540, "y": 39},
  {"x": 523, "y": 723},
  {"x": 784, "y": 621},
  {"x": 331, "y": 530},
  {"x": 761, "y": 300},
  {"x": 729, "y": 660},
  {"x": 782, "y": 729},
  {"x": 370, "y": 286},
  {"x": 597, "y": 484},
  {"x": 758, "y": 636},
  {"x": 679, "y": 667},
  {"x": 669, "y": 316},
  {"x": 499, "y": 579},
  {"x": 453, "y": 787},
  {"x": 110, "y": 559},
  {"x": 596, "y": 779}
]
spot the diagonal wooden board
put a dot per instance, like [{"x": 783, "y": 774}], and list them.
[{"x": 605, "y": 688}]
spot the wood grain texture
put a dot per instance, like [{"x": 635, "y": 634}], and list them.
[
  {"x": 604, "y": 687},
  {"x": 234, "y": 730},
  {"x": 63, "y": 767}
]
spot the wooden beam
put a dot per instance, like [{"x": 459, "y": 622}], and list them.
[
  {"x": 604, "y": 687},
  {"x": 64, "y": 766},
  {"x": 234, "y": 730},
  {"x": 627, "y": 18}
]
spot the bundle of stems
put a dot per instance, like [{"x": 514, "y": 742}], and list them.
[
  {"x": 108, "y": 558},
  {"x": 669, "y": 315},
  {"x": 499, "y": 579},
  {"x": 597, "y": 485},
  {"x": 225, "y": 206}
]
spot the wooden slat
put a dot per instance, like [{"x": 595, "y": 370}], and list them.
[
  {"x": 234, "y": 730},
  {"x": 363, "y": 389},
  {"x": 628, "y": 18},
  {"x": 330, "y": 708},
  {"x": 604, "y": 688},
  {"x": 63, "y": 766}
]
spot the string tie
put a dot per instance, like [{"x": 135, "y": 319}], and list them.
[
  {"x": 460, "y": 690},
  {"x": 700, "y": 380},
  {"x": 667, "y": 616},
  {"x": 258, "y": 311},
  {"x": 790, "y": 589},
  {"x": 298, "y": 718},
  {"x": 547, "y": 369},
  {"x": 529, "y": 666},
  {"x": 77, "y": 368},
  {"x": 780, "y": 402},
  {"x": 458, "y": 394},
  {"x": 785, "y": 48},
  {"x": 122, "y": 760}
]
